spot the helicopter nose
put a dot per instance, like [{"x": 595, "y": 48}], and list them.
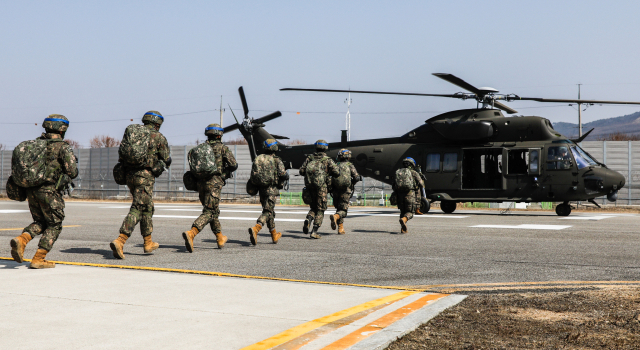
[{"x": 614, "y": 181}]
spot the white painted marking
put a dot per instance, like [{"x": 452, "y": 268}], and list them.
[
  {"x": 593, "y": 218},
  {"x": 222, "y": 218},
  {"x": 12, "y": 211},
  {"x": 245, "y": 211},
  {"x": 526, "y": 227},
  {"x": 415, "y": 216},
  {"x": 360, "y": 213}
]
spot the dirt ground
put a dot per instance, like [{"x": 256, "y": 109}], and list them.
[{"x": 603, "y": 318}]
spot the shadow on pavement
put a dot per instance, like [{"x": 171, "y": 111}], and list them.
[
  {"x": 107, "y": 254},
  {"x": 8, "y": 264}
]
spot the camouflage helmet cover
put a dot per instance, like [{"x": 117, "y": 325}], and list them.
[
  {"x": 409, "y": 161},
  {"x": 270, "y": 144},
  {"x": 153, "y": 117},
  {"x": 344, "y": 154},
  {"x": 322, "y": 145},
  {"x": 56, "y": 123},
  {"x": 213, "y": 129}
]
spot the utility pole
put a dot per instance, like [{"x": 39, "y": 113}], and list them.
[
  {"x": 348, "y": 118},
  {"x": 221, "y": 112},
  {"x": 579, "y": 114}
]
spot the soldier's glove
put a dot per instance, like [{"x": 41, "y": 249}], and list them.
[
  {"x": 168, "y": 162},
  {"x": 158, "y": 168}
]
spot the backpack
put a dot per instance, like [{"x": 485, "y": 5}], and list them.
[
  {"x": 135, "y": 146},
  {"x": 316, "y": 173},
  {"x": 404, "y": 180},
  {"x": 263, "y": 171},
  {"x": 203, "y": 162},
  {"x": 29, "y": 163},
  {"x": 343, "y": 181}
]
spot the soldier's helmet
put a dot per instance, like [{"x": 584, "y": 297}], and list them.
[
  {"x": 153, "y": 117},
  {"x": 213, "y": 129},
  {"x": 344, "y": 154},
  {"x": 322, "y": 145},
  {"x": 270, "y": 144},
  {"x": 408, "y": 162},
  {"x": 56, "y": 123}
]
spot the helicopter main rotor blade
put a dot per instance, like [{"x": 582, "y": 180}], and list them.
[
  {"x": 504, "y": 107},
  {"x": 576, "y": 101},
  {"x": 372, "y": 92},
  {"x": 458, "y": 82},
  {"x": 244, "y": 101},
  {"x": 268, "y": 117}
]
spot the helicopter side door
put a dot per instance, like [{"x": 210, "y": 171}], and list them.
[
  {"x": 521, "y": 171},
  {"x": 442, "y": 170},
  {"x": 560, "y": 172}
]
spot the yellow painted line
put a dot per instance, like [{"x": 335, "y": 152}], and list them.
[
  {"x": 22, "y": 228},
  {"x": 381, "y": 323},
  {"x": 297, "y": 331}
]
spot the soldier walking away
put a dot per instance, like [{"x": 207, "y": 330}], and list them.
[
  {"x": 44, "y": 167},
  {"x": 210, "y": 163},
  {"x": 143, "y": 156},
  {"x": 418, "y": 191},
  {"x": 342, "y": 189},
  {"x": 406, "y": 182},
  {"x": 269, "y": 175},
  {"x": 316, "y": 170}
]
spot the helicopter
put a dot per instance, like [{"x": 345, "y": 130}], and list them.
[{"x": 469, "y": 155}]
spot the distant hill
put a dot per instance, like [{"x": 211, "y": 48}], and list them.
[{"x": 628, "y": 124}]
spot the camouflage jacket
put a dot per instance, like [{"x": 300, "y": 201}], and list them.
[
  {"x": 159, "y": 147},
  {"x": 271, "y": 166},
  {"x": 227, "y": 165},
  {"x": 329, "y": 165},
  {"x": 60, "y": 159},
  {"x": 417, "y": 179}
]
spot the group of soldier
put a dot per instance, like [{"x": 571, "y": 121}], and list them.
[{"x": 144, "y": 154}]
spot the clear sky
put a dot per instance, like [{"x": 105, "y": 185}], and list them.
[{"x": 101, "y": 63}]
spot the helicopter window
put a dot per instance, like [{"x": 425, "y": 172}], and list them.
[
  {"x": 558, "y": 158},
  {"x": 582, "y": 158},
  {"x": 433, "y": 162},
  {"x": 450, "y": 163},
  {"x": 534, "y": 158},
  {"x": 518, "y": 161},
  {"x": 481, "y": 168}
]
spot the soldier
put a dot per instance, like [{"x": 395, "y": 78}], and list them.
[
  {"x": 342, "y": 189},
  {"x": 45, "y": 200},
  {"x": 418, "y": 191},
  {"x": 406, "y": 182},
  {"x": 268, "y": 174},
  {"x": 209, "y": 189},
  {"x": 316, "y": 170},
  {"x": 144, "y": 153}
]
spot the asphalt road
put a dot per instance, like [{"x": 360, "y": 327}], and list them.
[{"x": 439, "y": 248}]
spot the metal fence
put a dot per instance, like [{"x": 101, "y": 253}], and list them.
[{"x": 95, "y": 179}]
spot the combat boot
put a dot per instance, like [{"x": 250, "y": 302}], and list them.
[
  {"x": 334, "y": 218},
  {"x": 149, "y": 245},
  {"x": 188, "y": 238},
  {"x": 315, "y": 234},
  {"x": 307, "y": 224},
  {"x": 221, "y": 239},
  {"x": 38, "y": 261},
  {"x": 117, "y": 246},
  {"x": 275, "y": 236},
  {"x": 418, "y": 212},
  {"x": 253, "y": 233},
  {"x": 341, "y": 229},
  {"x": 17, "y": 246},
  {"x": 403, "y": 225}
]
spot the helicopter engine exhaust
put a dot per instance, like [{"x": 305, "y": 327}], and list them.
[{"x": 613, "y": 196}]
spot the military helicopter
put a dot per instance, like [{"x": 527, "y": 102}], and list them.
[{"x": 470, "y": 155}]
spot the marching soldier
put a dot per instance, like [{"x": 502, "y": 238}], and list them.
[
  {"x": 406, "y": 182},
  {"x": 268, "y": 174},
  {"x": 342, "y": 189},
  {"x": 54, "y": 170},
  {"x": 210, "y": 186}
]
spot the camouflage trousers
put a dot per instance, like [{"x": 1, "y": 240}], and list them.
[
  {"x": 142, "y": 209},
  {"x": 210, "y": 199},
  {"x": 268, "y": 199},
  {"x": 341, "y": 203},
  {"x": 407, "y": 204},
  {"x": 47, "y": 210},
  {"x": 318, "y": 205}
]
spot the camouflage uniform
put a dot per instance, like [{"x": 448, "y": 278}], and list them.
[
  {"x": 45, "y": 202},
  {"x": 268, "y": 194},
  {"x": 341, "y": 198},
  {"x": 319, "y": 195},
  {"x": 209, "y": 190},
  {"x": 407, "y": 202},
  {"x": 140, "y": 182}
]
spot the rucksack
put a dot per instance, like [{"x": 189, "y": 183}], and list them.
[
  {"x": 263, "y": 171},
  {"x": 29, "y": 163},
  {"x": 203, "y": 162},
  {"x": 343, "y": 181},
  {"x": 316, "y": 173},
  {"x": 135, "y": 146},
  {"x": 404, "y": 180}
]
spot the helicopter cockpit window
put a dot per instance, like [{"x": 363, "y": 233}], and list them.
[
  {"x": 433, "y": 162},
  {"x": 450, "y": 163},
  {"x": 518, "y": 161},
  {"x": 582, "y": 158},
  {"x": 558, "y": 158}
]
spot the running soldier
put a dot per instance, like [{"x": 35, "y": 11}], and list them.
[
  {"x": 44, "y": 181},
  {"x": 144, "y": 154},
  {"x": 268, "y": 174},
  {"x": 342, "y": 189},
  {"x": 212, "y": 163},
  {"x": 316, "y": 170},
  {"x": 406, "y": 182}
]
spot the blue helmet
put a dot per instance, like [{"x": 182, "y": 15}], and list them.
[
  {"x": 153, "y": 117},
  {"x": 409, "y": 161},
  {"x": 322, "y": 145},
  {"x": 213, "y": 129}
]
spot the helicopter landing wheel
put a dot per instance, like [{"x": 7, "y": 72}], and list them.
[
  {"x": 425, "y": 205},
  {"x": 563, "y": 209},
  {"x": 448, "y": 206}
]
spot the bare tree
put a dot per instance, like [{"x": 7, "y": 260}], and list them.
[
  {"x": 73, "y": 143},
  {"x": 104, "y": 141},
  {"x": 2, "y": 147},
  {"x": 296, "y": 142},
  {"x": 619, "y": 136},
  {"x": 238, "y": 141}
]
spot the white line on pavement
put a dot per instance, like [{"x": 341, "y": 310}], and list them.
[
  {"x": 594, "y": 218},
  {"x": 526, "y": 226},
  {"x": 12, "y": 211},
  {"x": 222, "y": 218}
]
